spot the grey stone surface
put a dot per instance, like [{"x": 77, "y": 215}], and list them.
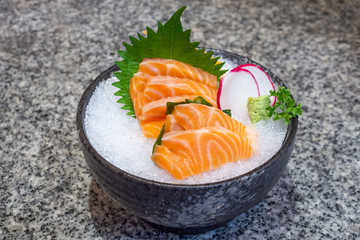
[{"x": 50, "y": 51}]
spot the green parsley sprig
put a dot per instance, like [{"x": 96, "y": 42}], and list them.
[{"x": 285, "y": 107}]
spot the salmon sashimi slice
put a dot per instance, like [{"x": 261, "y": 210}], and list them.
[
  {"x": 190, "y": 152},
  {"x": 196, "y": 116},
  {"x": 173, "y": 68},
  {"x": 159, "y": 81},
  {"x": 159, "y": 87}
]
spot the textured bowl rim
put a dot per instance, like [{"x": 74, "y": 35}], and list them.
[{"x": 82, "y": 106}]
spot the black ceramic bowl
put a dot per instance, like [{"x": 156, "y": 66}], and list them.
[{"x": 186, "y": 209}]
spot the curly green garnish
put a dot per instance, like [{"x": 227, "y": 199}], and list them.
[{"x": 285, "y": 107}]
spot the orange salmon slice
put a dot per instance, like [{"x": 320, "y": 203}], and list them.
[
  {"x": 159, "y": 87},
  {"x": 173, "y": 68},
  {"x": 190, "y": 152}
]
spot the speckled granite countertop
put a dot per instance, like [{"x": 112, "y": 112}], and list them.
[{"x": 50, "y": 51}]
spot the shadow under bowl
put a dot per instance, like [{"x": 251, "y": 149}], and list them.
[{"x": 180, "y": 208}]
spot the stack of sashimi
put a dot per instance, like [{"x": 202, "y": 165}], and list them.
[
  {"x": 198, "y": 138},
  {"x": 159, "y": 81}
]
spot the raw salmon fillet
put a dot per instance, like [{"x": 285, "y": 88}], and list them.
[
  {"x": 198, "y": 138},
  {"x": 195, "y": 116},
  {"x": 190, "y": 152},
  {"x": 163, "y": 87},
  {"x": 173, "y": 68},
  {"x": 159, "y": 81}
]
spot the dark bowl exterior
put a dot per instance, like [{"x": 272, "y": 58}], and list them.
[{"x": 185, "y": 209}]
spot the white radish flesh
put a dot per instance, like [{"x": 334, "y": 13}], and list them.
[{"x": 235, "y": 89}]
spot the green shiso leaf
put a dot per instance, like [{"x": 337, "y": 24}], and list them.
[
  {"x": 227, "y": 111},
  {"x": 169, "y": 42},
  {"x": 159, "y": 139}
]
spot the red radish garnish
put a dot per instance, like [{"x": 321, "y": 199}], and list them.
[
  {"x": 234, "y": 90},
  {"x": 264, "y": 82}
]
